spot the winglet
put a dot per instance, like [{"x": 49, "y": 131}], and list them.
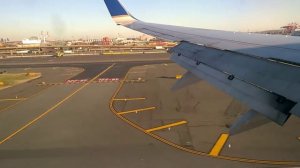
[{"x": 119, "y": 13}]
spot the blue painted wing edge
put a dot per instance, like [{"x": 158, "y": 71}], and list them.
[{"x": 115, "y": 8}]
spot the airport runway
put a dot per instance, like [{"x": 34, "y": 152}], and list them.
[{"x": 53, "y": 123}]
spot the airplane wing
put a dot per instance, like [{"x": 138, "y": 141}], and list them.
[{"x": 261, "y": 71}]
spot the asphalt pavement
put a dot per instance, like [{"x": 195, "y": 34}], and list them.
[{"x": 61, "y": 124}]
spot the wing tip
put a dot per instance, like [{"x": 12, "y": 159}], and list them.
[
  {"x": 115, "y": 8},
  {"x": 119, "y": 13}
]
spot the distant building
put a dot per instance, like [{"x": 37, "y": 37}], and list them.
[
  {"x": 32, "y": 41},
  {"x": 78, "y": 42},
  {"x": 296, "y": 32},
  {"x": 146, "y": 37},
  {"x": 92, "y": 41},
  {"x": 290, "y": 28},
  {"x": 119, "y": 40},
  {"x": 106, "y": 41}
]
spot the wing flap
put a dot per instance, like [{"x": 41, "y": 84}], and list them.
[
  {"x": 262, "y": 73},
  {"x": 248, "y": 121},
  {"x": 296, "y": 110},
  {"x": 255, "y": 97}
]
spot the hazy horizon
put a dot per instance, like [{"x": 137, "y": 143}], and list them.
[{"x": 67, "y": 19}]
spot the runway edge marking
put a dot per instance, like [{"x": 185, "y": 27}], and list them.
[
  {"x": 191, "y": 151},
  {"x": 55, "y": 106}
]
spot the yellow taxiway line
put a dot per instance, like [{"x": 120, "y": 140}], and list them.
[
  {"x": 54, "y": 107},
  {"x": 216, "y": 150},
  {"x": 3, "y": 100},
  {"x": 130, "y": 99},
  {"x": 167, "y": 126},
  {"x": 137, "y": 111},
  {"x": 20, "y": 101},
  {"x": 188, "y": 150}
]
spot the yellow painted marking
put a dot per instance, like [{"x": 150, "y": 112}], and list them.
[
  {"x": 130, "y": 99},
  {"x": 219, "y": 145},
  {"x": 136, "y": 80},
  {"x": 9, "y": 107},
  {"x": 178, "y": 76},
  {"x": 2, "y": 100},
  {"x": 54, "y": 107},
  {"x": 137, "y": 111},
  {"x": 188, "y": 150},
  {"x": 167, "y": 126}
]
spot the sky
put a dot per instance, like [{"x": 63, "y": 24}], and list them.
[{"x": 73, "y": 19}]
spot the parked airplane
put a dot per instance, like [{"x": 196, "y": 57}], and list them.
[{"x": 261, "y": 71}]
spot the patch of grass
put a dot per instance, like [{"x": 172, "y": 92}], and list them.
[{"x": 12, "y": 79}]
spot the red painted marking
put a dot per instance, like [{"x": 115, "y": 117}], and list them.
[{"x": 100, "y": 80}]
